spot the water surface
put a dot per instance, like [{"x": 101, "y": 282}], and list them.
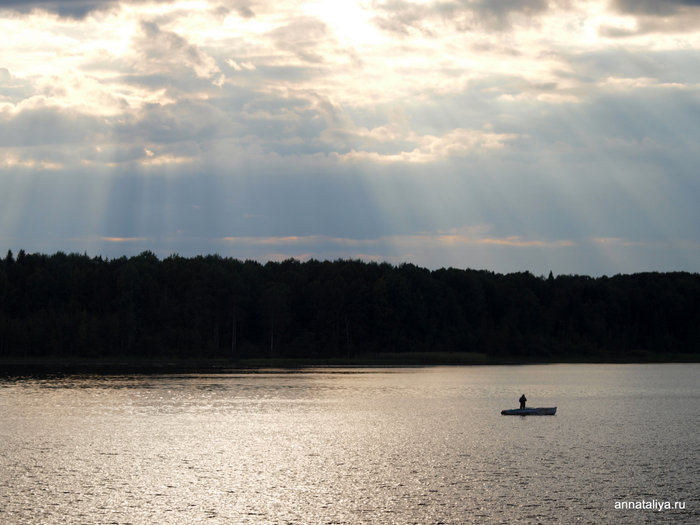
[{"x": 415, "y": 445}]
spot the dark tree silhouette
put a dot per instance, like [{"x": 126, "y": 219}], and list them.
[{"x": 209, "y": 306}]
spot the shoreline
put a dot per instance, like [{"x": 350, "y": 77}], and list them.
[{"x": 17, "y": 366}]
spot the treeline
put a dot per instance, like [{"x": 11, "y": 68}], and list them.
[{"x": 75, "y": 305}]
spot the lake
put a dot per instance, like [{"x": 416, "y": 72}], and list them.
[{"x": 367, "y": 445}]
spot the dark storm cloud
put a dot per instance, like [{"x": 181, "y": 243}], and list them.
[
  {"x": 79, "y": 9},
  {"x": 66, "y": 8}
]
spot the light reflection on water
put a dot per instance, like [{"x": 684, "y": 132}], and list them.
[{"x": 419, "y": 445}]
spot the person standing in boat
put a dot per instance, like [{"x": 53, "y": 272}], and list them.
[{"x": 522, "y": 400}]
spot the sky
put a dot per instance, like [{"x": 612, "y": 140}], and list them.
[{"x": 507, "y": 135}]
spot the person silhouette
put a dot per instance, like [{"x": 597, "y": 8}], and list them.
[{"x": 522, "y": 400}]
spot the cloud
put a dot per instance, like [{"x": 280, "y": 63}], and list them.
[
  {"x": 10, "y": 160},
  {"x": 79, "y": 9},
  {"x": 41, "y": 124},
  {"x": 332, "y": 138},
  {"x": 76, "y": 9},
  {"x": 613, "y": 241},
  {"x": 470, "y": 246},
  {"x": 123, "y": 239},
  {"x": 402, "y": 16},
  {"x": 497, "y": 14},
  {"x": 242, "y": 66},
  {"x": 167, "y": 51},
  {"x": 466, "y": 236},
  {"x": 654, "y": 7},
  {"x": 244, "y": 10},
  {"x": 425, "y": 149},
  {"x": 654, "y": 16},
  {"x": 12, "y": 90},
  {"x": 170, "y": 132},
  {"x": 302, "y": 37}
]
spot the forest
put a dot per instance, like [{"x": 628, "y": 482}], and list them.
[{"x": 214, "y": 307}]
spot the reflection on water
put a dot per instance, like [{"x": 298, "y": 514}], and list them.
[{"x": 422, "y": 445}]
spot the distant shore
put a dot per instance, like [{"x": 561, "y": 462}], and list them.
[{"x": 134, "y": 365}]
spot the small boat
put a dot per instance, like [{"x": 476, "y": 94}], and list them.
[{"x": 549, "y": 411}]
